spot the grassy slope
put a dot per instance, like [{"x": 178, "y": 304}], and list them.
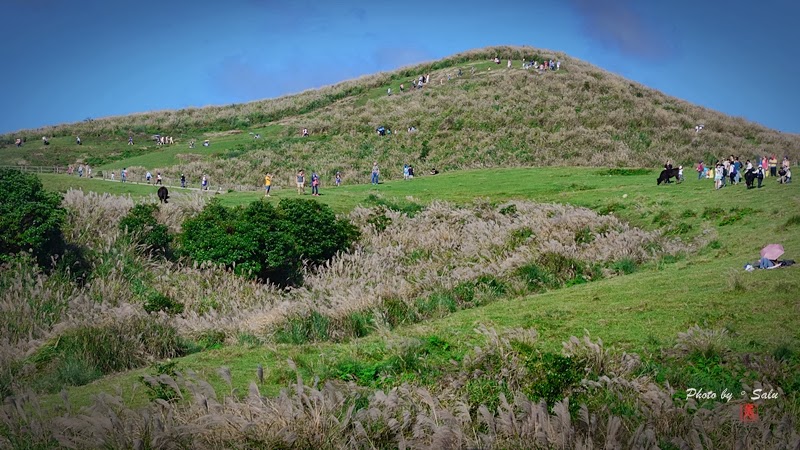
[
  {"x": 640, "y": 312},
  {"x": 493, "y": 118}
]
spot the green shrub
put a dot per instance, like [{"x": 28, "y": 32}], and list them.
[
  {"x": 30, "y": 218},
  {"x": 141, "y": 225},
  {"x": 159, "y": 302},
  {"x": 266, "y": 242},
  {"x": 509, "y": 210},
  {"x": 552, "y": 377},
  {"x": 625, "y": 266}
]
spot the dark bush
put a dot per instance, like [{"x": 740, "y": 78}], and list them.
[
  {"x": 30, "y": 218},
  {"x": 143, "y": 228},
  {"x": 266, "y": 242}
]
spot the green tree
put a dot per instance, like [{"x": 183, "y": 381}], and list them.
[
  {"x": 30, "y": 217},
  {"x": 143, "y": 228},
  {"x": 267, "y": 242}
]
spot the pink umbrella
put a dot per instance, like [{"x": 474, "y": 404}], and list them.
[{"x": 772, "y": 251}]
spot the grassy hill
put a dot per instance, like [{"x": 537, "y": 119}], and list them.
[
  {"x": 521, "y": 298},
  {"x": 490, "y": 116}
]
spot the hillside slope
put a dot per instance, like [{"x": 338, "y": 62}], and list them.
[{"x": 490, "y": 116}]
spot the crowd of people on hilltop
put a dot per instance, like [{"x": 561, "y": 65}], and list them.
[
  {"x": 731, "y": 171},
  {"x": 542, "y": 67},
  {"x": 424, "y": 79},
  {"x": 159, "y": 140}
]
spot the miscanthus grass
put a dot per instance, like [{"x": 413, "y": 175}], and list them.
[
  {"x": 612, "y": 406},
  {"x": 402, "y": 269}
]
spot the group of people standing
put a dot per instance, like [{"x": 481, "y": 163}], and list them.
[
  {"x": 301, "y": 182},
  {"x": 733, "y": 170},
  {"x": 315, "y": 181}
]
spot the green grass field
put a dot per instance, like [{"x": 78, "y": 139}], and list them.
[{"x": 641, "y": 312}]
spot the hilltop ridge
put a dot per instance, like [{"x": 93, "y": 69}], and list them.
[{"x": 490, "y": 116}]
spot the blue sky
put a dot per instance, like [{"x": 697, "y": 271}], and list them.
[{"x": 66, "y": 61}]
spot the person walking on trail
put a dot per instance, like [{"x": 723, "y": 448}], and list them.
[
  {"x": 124, "y": 174},
  {"x": 267, "y": 184},
  {"x": 204, "y": 183},
  {"x": 183, "y": 180},
  {"x": 148, "y": 176},
  {"x": 375, "y": 172},
  {"x": 158, "y": 178}
]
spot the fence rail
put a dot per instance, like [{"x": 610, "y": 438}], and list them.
[
  {"x": 37, "y": 169},
  {"x": 110, "y": 175}
]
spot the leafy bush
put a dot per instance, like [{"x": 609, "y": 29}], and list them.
[
  {"x": 552, "y": 376},
  {"x": 266, "y": 242},
  {"x": 30, "y": 217},
  {"x": 143, "y": 228}
]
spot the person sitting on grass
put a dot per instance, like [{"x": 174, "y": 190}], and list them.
[{"x": 766, "y": 263}]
